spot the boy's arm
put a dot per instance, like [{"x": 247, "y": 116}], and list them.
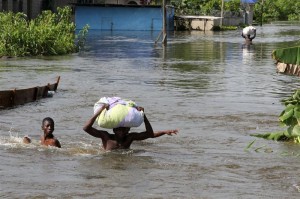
[
  {"x": 57, "y": 143},
  {"x": 88, "y": 127},
  {"x": 149, "y": 132}
]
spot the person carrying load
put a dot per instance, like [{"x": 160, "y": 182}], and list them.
[
  {"x": 246, "y": 34},
  {"x": 121, "y": 139}
]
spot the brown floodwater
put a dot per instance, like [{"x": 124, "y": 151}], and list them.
[{"x": 210, "y": 86}]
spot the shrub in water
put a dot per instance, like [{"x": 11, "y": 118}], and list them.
[
  {"x": 48, "y": 34},
  {"x": 289, "y": 117}
]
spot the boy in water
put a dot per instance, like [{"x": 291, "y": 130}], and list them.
[
  {"x": 122, "y": 139},
  {"x": 48, "y": 138}
]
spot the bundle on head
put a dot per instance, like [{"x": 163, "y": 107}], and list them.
[{"x": 121, "y": 113}]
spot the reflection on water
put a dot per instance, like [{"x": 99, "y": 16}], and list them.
[
  {"x": 209, "y": 85},
  {"x": 248, "y": 53}
]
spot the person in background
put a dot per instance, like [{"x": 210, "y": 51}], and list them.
[
  {"x": 122, "y": 139},
  {"x": 48, "y": 138},
  {"x": 248, "y": 38}
]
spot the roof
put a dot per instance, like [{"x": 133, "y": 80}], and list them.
[
  {"x": 198, "y": 17},
  {"x": 249, "y": 1}
]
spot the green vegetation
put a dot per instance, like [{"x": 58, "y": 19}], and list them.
[
  {"x": 204, "y": 7},
  {"x": 190, "y": 7},
  {"x": 289, "y": 117},
  {"x": 274, "y": 10},
  {"x": 268, "y": 10},
  {"x": 223, "y": 28},
  {"x": 49, "y": 34}
]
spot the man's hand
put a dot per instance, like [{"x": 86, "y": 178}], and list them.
[
  {"x": 139, "y": 108},
  {"x": 170, "y": 132},
  {"x": 106, "y": 106}
]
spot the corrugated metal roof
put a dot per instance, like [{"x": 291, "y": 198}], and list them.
[{"x": 249, "y": 1}]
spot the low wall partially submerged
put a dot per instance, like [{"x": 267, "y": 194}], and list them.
[
  {"x": 287, "y": 60},
  {"x": 204, "y": 23},
  {"x": 289, "y": 69}
]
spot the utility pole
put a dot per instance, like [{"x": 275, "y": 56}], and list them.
[
  {"x": 163, "y": 32},
  {"x": 222, "y": 10},
  {"x": 262, "y": 11},
  {"x": 164, "y": 40}
]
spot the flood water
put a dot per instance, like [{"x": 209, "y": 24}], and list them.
[{"x": 207, "y": 84}]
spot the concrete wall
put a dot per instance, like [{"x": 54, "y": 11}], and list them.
[
  {"x": 34, "y": 7},
  {"x": 202, "y": 24},
  {"x": 232, "y": 21},
  {"x": 62, "y": 3},
  {"x": 207, "y": 24},
  {"x": 30, "y": 7},
  {"x": 7, "y": 5}
]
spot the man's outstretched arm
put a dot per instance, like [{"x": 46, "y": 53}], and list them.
[
  {"x": 149, "y": 133},
  {"x": 165, "y": 132}
]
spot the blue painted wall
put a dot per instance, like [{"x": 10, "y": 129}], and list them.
[{"x": 122, "y": 18}]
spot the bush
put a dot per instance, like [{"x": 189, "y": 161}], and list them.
[
  {"x": 273, "y": 10},
  {"x": 49, "y": 34},
  {"x": 290, "y": 118}
]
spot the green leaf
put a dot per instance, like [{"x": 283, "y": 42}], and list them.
[
  {"x": 295, "y": 131},
  {"x": 296, "y": 95},
  {"x": 249, "y": 145},
  {"x": 257, "y": 149},
  {"x": 277, "y": 136},
  {"x": 287, "y": 113},
  {"x": 297, "y": 113},
  {"x": 290, "y": 131}
]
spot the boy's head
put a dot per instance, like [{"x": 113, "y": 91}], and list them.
[
  {"x": 121, "y": 131},
  {"x": 48, "y": 125}
]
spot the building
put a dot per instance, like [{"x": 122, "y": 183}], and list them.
[
  {"x": 248, "y": 7},
  {"x": 123, "y": 17},
  {"x": 33, "y": 8}
]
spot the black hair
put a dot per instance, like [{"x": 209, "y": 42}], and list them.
[{"x": 49, "y": 119}]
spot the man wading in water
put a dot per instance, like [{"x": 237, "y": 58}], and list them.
[
  {"x": 248, "y": 38},
  {"x": 122, "y": 139}
]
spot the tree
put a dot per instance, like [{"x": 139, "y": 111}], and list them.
[{"x": 274, "y": 10}]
